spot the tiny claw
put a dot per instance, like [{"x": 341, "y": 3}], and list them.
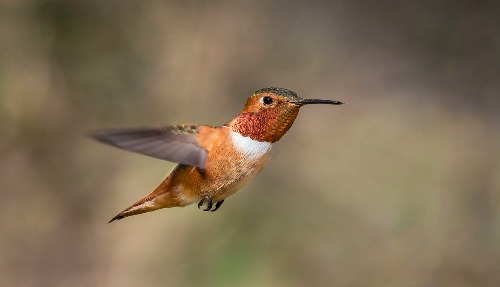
[
  {"x": 217, "y": 205},
  {"x": 209, "y": 202},
  {"x": 200, "y": 204}
]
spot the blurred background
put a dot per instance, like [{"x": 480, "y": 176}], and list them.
[{"x": 401, "y": 187}]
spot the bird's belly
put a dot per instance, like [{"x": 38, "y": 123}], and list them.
[
  {"x": 237, "y": 166},
  {"x": 234, "y": 161},
  {"x": 191, "y": 185},
  {"x": 236, "y": 179}
]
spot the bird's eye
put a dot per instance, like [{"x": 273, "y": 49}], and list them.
[{"x": 267, "y": 100}]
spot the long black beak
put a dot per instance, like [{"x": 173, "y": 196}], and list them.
[{"x": 317, "y": 101}]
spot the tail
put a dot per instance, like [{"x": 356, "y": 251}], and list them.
[{"x": 161, "y": 197}]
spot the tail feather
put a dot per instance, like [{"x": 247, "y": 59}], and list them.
[{"x": 161, "y": 197}]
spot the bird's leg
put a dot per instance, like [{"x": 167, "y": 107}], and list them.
[
  {"x": 217, "y": 205},
  {"x": 209, "y": 202}
]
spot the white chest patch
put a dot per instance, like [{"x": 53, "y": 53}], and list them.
[{"x": 251, "y": 148}]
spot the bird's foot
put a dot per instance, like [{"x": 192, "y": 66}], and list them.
[
  {"x": 208, "y": 199},
  {"x": 217, "y": 205}
]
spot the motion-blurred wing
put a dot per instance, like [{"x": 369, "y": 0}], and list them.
[{"x": 173, "y": 143}]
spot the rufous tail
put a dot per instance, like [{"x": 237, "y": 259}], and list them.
[{"x": 161, "y": 197}]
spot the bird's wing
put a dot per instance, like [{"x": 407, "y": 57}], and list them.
[{"x": 173, "y": 143}]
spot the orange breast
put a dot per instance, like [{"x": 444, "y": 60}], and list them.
[{"x": 233, "y": 160}]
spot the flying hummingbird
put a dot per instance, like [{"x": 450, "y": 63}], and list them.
[{"x": 214, "y": 162}]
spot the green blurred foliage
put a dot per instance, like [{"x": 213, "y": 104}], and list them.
[{"x": 401, "y": 187}]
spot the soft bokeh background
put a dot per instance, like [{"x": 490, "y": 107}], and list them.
[{"x": 401, "y": 187}]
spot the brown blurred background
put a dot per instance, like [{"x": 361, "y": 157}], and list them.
[{"x": 401, "y": 187}]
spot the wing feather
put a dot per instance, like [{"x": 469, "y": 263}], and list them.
[{"x": 173, "y": 143}]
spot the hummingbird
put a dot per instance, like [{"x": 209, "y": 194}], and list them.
[{"x": 213, "y": 161}]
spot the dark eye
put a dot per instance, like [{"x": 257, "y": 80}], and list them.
[{"x": 267, "y": 100}]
